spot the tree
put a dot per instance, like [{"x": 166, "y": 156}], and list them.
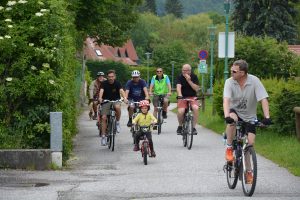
[
  {"x": 108, "y": 21},
  {"x": 149, "y": 6},
  {"x": 273, "y": 18},
  {"x": 174, "y": 7}
]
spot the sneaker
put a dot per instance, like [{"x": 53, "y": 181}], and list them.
[
  {"x": 195, "y": 131},
  {"x": 103, "y": 140},
  {"x": 136, "y": 148},
  {"x": 164, "y": 114},
  {"x": 129, "y": 123},
  {"x": 229, "y": 154},
  {"x": 155, "y": 127},
  {"x": 179, "y": 130},
  {"x": 118, "y": 127},
  {"x": 153, "y": 154},
  {"x": 249, "y": 177}
]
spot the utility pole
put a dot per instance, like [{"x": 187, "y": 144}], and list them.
[
  {"x": 226, "y": 8},
  {"x": 148, "y": 56}
]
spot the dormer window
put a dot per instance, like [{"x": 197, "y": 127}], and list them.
[
  {"x": 98, "y": 52},
  {"x": 126, "y": 53}
]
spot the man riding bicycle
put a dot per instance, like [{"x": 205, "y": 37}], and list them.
[
  {"x": 187, "y": 88},
  {"x": 160, "y": 85},
  {"x": 136, "y": 90},
  {"x": 241, "y": 93},
  {"x": 111, "y": 90}
]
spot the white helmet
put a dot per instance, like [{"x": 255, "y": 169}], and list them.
[{"x": 135, "y": 73}]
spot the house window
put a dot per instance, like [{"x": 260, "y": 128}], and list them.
[
  {"x": 126, "y": 53},
  {"x": 98, "y": 52},
  {"x": 119, "y": 53}
]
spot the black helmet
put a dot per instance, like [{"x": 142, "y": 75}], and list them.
[{"x": 100, "y": 74}]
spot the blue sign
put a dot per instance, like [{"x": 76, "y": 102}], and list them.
[{"x": 203, "y": 54}]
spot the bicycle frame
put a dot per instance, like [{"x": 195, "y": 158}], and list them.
[{"x": 145, "y": 148}]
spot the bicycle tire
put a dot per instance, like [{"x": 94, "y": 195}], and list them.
[
  {"x": 113, "y": 134},
  {"x": 248, "y": 189},
  {"x": 232, "y": 171},
  {"x": 159, "y": 121},
  {"x": 145, "y": 153},
  {"x": 184, "y": 135},
  {"x": 189, "y": 134},
  {"x": 109, "y": 137}
]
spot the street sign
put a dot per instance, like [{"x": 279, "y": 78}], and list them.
[
  {"x": 202, "y": 67},
  {"x": 203, "y": 54},
  {"x": 221, "y": 45}
]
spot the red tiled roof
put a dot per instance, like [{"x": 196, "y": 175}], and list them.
[
  {"x": 125, "y": 54},
  {"x": 295, "y": 49}
]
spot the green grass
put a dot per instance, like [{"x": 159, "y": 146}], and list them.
[{"x": 283, "y": 150}]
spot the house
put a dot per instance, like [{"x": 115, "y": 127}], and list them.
[
  {"x": 125, "y": 54},
  {"x": 295, "y": 49}
]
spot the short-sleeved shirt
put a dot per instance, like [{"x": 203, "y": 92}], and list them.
[
  {"x": 111, "y": 91},
  {"x": 144, "y": 120},
  {"x": 136, "y": 90},
  {"x": 186, "y": 89},
  {"x": 244, "y": 102}
]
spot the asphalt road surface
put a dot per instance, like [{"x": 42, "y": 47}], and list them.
[{"x": 94, "y": 172}]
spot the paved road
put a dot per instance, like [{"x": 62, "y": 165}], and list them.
[{"x": 95, "y": 172}]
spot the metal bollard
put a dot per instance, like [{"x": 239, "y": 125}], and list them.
[{"x": 56, "y": 138}]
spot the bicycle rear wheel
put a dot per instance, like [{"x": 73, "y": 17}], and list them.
[
  {"x": 232, "y": 172},
  {"x": 145, "y": 153},
  {"x": 249, "y": 166},
  {"x": 189, "y": 134}
]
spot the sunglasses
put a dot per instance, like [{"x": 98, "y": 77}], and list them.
[
  {"x": 158, "y": 71},
  {"x": 234, "y": 71}
]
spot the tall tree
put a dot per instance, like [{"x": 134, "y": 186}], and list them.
[
  {"x": 274, "y": 18},
  {"x": 108, "y": 21},
  {"x": 174, "y": 7},
  {"x": 149, "y": 6}
]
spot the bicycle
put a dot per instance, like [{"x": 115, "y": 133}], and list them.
[
  {"x": 238, "y": 168},
  {"x": 160, "y": 119},
  {"x": 136, "y": 111},
  {"x": 145, "y": 148},
  {"x": 111, "y": 124},
  {"x": 187, "y": 126}
]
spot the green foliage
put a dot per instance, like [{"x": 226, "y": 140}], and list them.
[
  {"x": 108, "y": 21},
  {"x": 148, "y": 6},
  {"x": 122, "y": 72},
  {"x": 174, "y": 7},
  {"x": 265, "y": 18},
  {"x": 218, "y": 97},
  {"x": 37, "y": 71},
  {"x": 266, "y": 57}
]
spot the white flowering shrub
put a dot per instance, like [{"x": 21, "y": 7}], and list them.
[{"x": 37, "y": 71}]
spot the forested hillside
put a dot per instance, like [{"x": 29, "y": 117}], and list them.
[{"x": 194, "y": 6}]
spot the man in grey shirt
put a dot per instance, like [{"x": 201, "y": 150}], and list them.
[{"x": 241, "y": 93}]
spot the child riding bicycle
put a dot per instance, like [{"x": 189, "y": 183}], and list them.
[{"x": 144, "y": 118}]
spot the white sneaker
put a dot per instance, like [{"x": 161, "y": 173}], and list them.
[
  {"x": 103, "y": 140},
  {"x": 118, "y": 127}
]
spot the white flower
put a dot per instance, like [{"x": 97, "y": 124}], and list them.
[
  {"x": 46, "y": 65},
  {"x": 1, "y": 7},
  {"x": 22, "y": 1},
  {"x": 1, "y": 38},
  {"x": 8, "y": 8},
  {"x": 11, "y": 3},
  {"x": 31, "y": 27},
  {"x": 7, "y": 20},
  {"x": 41, "y": 3},
  {"x": 7, "y": 36},
  {"x": 31, "y": 44},
  {"x": 38, "y": 14},
  {"x": 8, "y": 79},
  {"x": 42, "y": 72},
  {"x": 51, "y": 82},
  {"x": 33, "y": 67},
  {"x": 44, "y": 10},
  {"x": 9, "y": 26}
]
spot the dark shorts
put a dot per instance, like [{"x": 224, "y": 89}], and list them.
[{"x": 250, "y": 128}]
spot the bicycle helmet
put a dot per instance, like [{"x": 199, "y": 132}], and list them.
[
  {"x": 100, "y": 74},
  {"x": 144, "y": 103},
  {"x": 135, "y": 73}
]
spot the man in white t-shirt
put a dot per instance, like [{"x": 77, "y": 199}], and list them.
[{"x": 241, "y": 93}]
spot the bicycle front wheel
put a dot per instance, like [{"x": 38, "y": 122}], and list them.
[
  {"x": 145, "y": 153},
  {"x": 249, "y": 175},
  {"x": 189, "y": 135},
  {"x": 159, "y": 121}
]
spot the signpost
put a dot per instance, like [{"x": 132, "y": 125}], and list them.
[{"x": 202, "y": 67}]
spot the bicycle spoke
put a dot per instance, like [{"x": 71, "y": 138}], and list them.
[{"x": 249, "y": 175}]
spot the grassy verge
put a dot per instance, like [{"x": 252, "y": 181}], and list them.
[{"x": 283, "y": 150}]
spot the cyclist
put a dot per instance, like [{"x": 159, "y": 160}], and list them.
[
  {"x": 94, "y": 94},
  {"x": 136, "y": 90},
  {"x": 111, "y": 89},
  {"x": 240, "y": 96},
  {"x": 160, "y": 85},
  {"x": 187, "y": 87},
  {"x": 145, "y": 118}
]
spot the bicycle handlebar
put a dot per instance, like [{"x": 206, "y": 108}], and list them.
[{"x": 111, "y": 101}]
